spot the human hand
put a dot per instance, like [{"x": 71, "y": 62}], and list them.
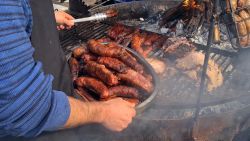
[
  {"x": 117, "y": 114},
  {"x": 63, "y": 20}
]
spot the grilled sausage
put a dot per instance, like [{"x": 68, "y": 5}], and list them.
[
  {"x": 124, "y": 91},
  {"x": 93, "y": 84},
  {"x": 136, "y": 79},
  {"x": 79, "y": 51},
  {"x": 113, "y": 63},
  {"x": 101, "y": 72},
  {"x": 74, "y": 68}
]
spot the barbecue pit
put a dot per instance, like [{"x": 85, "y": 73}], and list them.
[{"x": 175, "y": 104}]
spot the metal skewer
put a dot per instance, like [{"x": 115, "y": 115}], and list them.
[{"x": 202, "y": 90}]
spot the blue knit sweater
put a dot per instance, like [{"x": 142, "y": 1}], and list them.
[{"x": 28, "y": 104}]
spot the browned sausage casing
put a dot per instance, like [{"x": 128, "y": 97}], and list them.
[
  {"x": 101, "y": 72},
  {"x": 102, "y": 50},
  {"x": 74, "y": 68},
  {"x": 79, "y": 51},
  {"x": 124, "y": 91},
  {"x": 93, "y": 84},
  {"x": 113, "y": 64},
  {"x": 88, "y": 57},
  {"x": 136, "y": 79}
]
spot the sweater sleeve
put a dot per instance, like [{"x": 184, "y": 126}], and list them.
[{"x": 28, "y": 104}]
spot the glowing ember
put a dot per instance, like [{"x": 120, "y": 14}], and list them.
[{"x": 191, "y": 4}]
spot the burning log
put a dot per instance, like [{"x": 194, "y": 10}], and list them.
[{"x": 193, "y": 15}]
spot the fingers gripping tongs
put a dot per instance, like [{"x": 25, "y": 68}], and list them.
[{"x": 98, "y": 16}]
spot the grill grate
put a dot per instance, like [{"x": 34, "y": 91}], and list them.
[{"x": 177, "y": 97}]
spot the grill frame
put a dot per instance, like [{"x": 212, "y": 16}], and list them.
[{"x": 85, "y": 31}]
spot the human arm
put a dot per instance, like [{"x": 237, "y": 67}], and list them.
[
  {"x": 115, "y": 114},
  {"x": 28, "y": 104}
]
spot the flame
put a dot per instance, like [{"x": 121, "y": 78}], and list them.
[{"x": 190, "y": 4}]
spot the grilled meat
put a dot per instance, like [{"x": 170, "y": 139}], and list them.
[
  {"x": 119, "y": 32},
  {"x": 151, "y": 38},
  {"x": 74, "y": 68},
  {"x": 124, "y": 91},
  {"x": 158, "y": 65},
  {"x": 113, "y": 63},
  {"x": 113, "y": 50},
  {"x": 93, "y": 84},
  {"x": 101, "y": 72},
  {"x": 103, "y": 50},
  {"x": 178, "y": 48},
  {"x": 88, "y": 57},
  {"x": 192, "y": 65},
  {"x": 160, "y": 42},
  {"x": 136, "y": 79},
  {"x": 147, "y": 50},
  {"x": 79, "y": 51},
  {"x": 137, "y": 41},
  {"x": 84, "y": 94},
  {"x": 129, "y": 60},
  {"x": 104, "y": 40}
]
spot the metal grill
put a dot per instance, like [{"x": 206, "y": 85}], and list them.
[
  {"x": 170, "y": 115},
  {"x": 177, "y": 96}
]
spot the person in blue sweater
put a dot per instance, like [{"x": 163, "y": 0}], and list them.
[{"x": 34, "y": 77}]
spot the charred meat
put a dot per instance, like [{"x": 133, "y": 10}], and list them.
[
  {"x": 74, "y": 68},
  {"x": 136, "y": 79},
  {"x": 124, "y": 91},
  {"x": 113, "y": 63},
  {"x": 119, "y": 32},
  {"x": 101, "y": 72},
  {"x": 87, "y": 57},
  {"x": 93, "y": 84},
  {"x": 178, "y": 48},
  {"x": 102, "y": 50},
  {"x": 79, "y": 51}
]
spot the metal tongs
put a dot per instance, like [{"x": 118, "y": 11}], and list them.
[{"x": 98, "y": 17}]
